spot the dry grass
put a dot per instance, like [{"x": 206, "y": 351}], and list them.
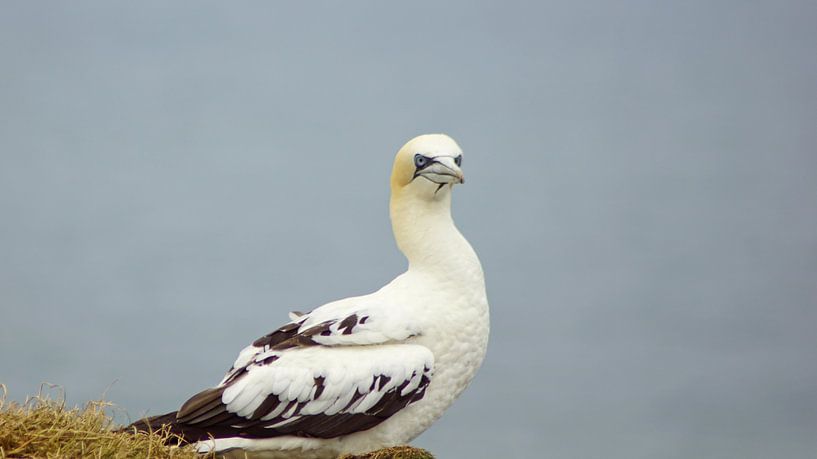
[
  {"x": 398, "y": 452},
  {"x": 44, "y": 428}
]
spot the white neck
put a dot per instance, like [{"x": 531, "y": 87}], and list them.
[{"x": 426, "y": 234}]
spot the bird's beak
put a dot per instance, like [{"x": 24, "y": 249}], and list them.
[{"x": 443, "y": 171}]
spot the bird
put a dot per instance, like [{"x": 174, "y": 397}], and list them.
[{"x": 365, "y": 372}]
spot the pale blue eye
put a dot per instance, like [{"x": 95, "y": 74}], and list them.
[{"x": 420, "y": 161}]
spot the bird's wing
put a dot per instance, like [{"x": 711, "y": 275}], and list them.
[
  {"x": 318, "y": 376},
  {"x": 351, "y": 321},
  {"x": 315, "y": 391}
]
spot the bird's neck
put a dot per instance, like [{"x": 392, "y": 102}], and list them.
[{"x": 427, "y": 236}]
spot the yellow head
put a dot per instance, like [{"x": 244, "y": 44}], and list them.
[
  {"x": 425, "y": 170},
  {"x": 427, "y": 165}
]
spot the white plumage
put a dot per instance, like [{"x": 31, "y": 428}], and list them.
[{"x": 364, "y": 372}]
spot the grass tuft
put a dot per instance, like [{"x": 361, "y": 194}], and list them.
[
  {"x": 397, "y": 452},
  {"x": 45, "y": 428}
]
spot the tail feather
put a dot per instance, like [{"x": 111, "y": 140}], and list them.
[{"x": 182, "y": 435}]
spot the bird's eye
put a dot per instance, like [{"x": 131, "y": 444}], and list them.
[
  {"x": 458, "y": 160},
  {"x": 420, "y": 161}
]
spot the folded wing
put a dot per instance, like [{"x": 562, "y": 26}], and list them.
[{"x": 318, "y": 376}]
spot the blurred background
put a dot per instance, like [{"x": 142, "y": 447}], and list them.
[{"x": 642, "y": 191}]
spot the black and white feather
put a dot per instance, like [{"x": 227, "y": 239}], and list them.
[{"x": 316, "y": 377}]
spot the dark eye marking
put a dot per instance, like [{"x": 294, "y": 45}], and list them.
[
  {"x": 421, "y": 162},
  {"x": 458, "y": 160}
]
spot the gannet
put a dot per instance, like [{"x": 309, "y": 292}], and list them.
[{"x": 365, "y": 372}]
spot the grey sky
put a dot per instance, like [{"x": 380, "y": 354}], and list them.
[{"x": 641, "y": 188}]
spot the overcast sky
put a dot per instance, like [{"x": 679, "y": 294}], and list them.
[{"x": 642, "y": 191}]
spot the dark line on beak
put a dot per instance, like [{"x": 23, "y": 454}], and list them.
[{"x": 439, "y": 187}]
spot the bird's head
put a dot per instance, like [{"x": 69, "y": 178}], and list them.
[{"x": 427, "y": 166}]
